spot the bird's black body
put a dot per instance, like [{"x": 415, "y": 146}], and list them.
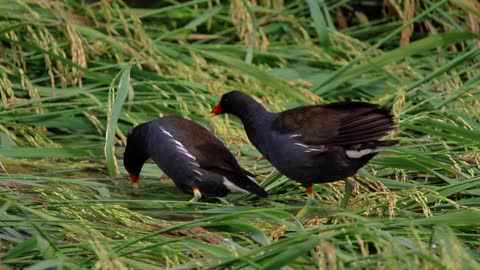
[
  {"x": 190, "y": 155},
  {"x": 313, "y": 144}
]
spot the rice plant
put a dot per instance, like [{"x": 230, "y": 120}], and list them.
[{"x": 75, "y": 76}]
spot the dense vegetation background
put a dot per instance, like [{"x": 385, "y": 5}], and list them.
[{"x": 76, "y": 75}]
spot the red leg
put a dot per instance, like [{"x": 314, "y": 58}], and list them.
[
  {"x": 134, "y": 180},
  {"x": 310, "y": 202},
  {"x": 309, "y": 191},
  {"x": 197, "y": 195},
  {"x": 310, "y": 196}
]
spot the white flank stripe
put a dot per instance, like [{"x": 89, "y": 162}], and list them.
[
  {"x": 178, "y": 143},
  {"x": 320, "y": 149},
  {"x": 195, "y": 164},
  {"x": 301, "y": 144},
  {"x": 183, "y": 150},
  {"x": 190, "y": 156},
  {"x": 295, "y": 135},
  {"x": 166, "y": 132},
  {"x": 198, "y": 172}
]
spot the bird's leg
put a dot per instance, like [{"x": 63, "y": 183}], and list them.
[
  {"x": 135, "y": 183},
  {"x": 349, "y": 187},
  {"x": 197, "y": 195},
  {"x": 310, "y": 202},
  {"x": 310, "y": 197}
]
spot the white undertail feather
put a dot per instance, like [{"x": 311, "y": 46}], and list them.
[
  {"x": 361, "y": 153},
  {"x": 254, "y": 180},
  {"x": 232, "y": 187}
]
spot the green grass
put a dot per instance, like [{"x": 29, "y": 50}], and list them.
[{"x": 75, "y": 77}]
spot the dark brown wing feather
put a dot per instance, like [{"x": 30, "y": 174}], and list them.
[
  {"x": 212, "y": 155},
  {"x": 342, "y": 123},
  {"x": 208, "y": 150}
]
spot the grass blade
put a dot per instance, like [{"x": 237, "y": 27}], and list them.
[
  {"x": 319, "y": 22},
  {"x": 114, "y": 111}
]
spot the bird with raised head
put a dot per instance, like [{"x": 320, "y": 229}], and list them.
[{"x": 316, "y": 143}]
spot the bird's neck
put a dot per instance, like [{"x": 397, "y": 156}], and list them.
[
  {"x": 251, "y": 112},
  {"x": 257, "y": 126},
  {"x": 254, "y": 116}
]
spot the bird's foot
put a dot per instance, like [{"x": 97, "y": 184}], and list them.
[
  {"x": 197, "y": 195},
  {"x": 135, "y": 191},
  {"x": 307, "y": 210},
  {"x": 311, "y": 201},
  {"x": 349, "y": 187}
]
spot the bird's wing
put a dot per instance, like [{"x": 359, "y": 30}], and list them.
[{"x": 343, "y": 123}]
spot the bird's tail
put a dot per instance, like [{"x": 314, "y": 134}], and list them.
[{"x": 248, "y": 183}]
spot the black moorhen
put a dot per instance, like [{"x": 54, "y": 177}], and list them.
[
  {"x": 313, "y": 144},
  {"x": 190, "y": 155}
]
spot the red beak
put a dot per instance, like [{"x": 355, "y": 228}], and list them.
[{"x": 217, "y": 109}]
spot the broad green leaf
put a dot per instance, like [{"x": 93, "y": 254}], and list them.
[
  {"x": 114, "y": 110},
  {"x": 319, "y": 22}
]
